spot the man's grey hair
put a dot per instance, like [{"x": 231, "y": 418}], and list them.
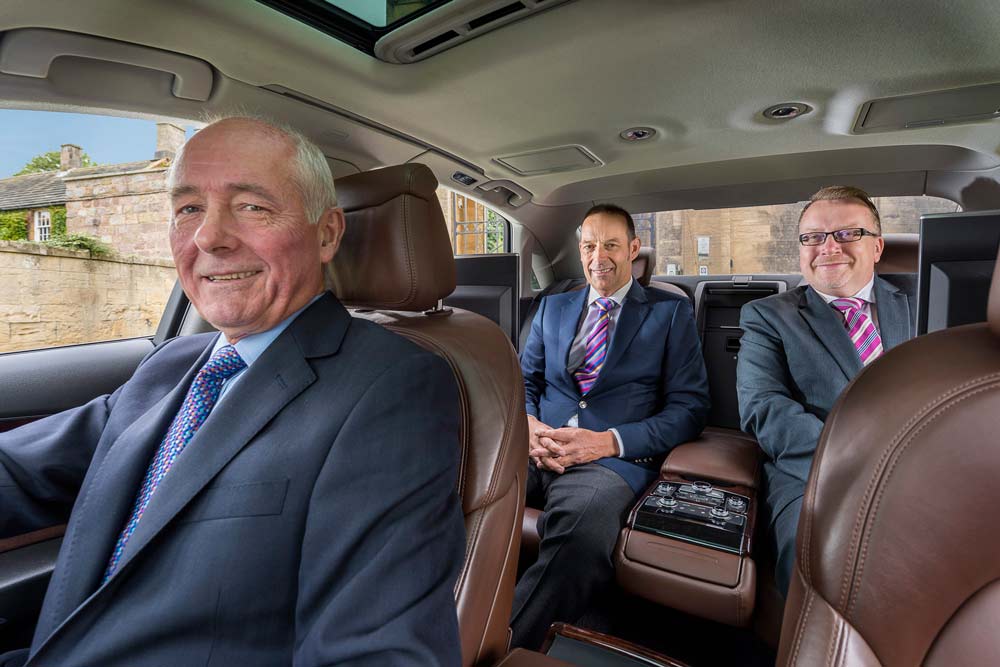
[{"x": 311, "y": 171}]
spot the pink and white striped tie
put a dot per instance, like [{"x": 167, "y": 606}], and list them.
[
  {"x": 860, "y": 328},
  {"x": 597, "y": 347}
]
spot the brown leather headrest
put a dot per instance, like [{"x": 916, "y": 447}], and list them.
[
  {"x": 396, "y": 253},
  {"x": 901, "y": 254},
  {"x": 993, "y": 306},
  {"x": 643, "y": 265}
]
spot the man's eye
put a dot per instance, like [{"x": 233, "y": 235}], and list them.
[
  {"x": 188, "y": 210},
  {"x": 253, "y": 208}
]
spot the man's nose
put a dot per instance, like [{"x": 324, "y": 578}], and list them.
[
  {"x": 830, "y": 246},
  {"x": 216, "y": 232}
]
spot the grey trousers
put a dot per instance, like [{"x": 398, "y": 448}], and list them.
[
  {"x": 783, "y": 530},
  {"x": 583, "y": 512}
]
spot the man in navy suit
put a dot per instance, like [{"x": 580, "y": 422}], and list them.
[
  {"x": 614, "y": 378},
  {"x": 280, "y": 493},
  {"x": 801, "y": 348}
]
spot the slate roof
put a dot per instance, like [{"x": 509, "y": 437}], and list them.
[
  {"x": 31, "y": 191},
  {"x": 48, "y": 189}
]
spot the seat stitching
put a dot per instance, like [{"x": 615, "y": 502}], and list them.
[
  {"x": 857, "y": 533},
  {"x": 883, "y": 485},
  {"x": 800, "y": 629}
]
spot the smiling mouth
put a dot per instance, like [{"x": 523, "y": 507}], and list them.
[
  {"x": 227, "y": 277},
  {"x": 600, "y": 272}
]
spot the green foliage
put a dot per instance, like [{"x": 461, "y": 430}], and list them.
[
  {"x": 80, "y": 242},
  {"x": 58, "y": 220},
  {"x": 50, "y": 162},
  {"x": 13, "y": 225}
]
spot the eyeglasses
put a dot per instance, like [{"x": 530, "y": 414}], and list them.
[{"x": 849, "y": 235}]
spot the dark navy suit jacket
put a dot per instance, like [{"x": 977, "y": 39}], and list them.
[
  {"x": 653, "y": 387},
  {"x": 312, "y": 520}
]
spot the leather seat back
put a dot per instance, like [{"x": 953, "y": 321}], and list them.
[
  {"x": 898, "y": 552},
  {"x": 394, "y": 266}
]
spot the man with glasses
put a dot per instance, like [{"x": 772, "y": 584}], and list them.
[{"x": 801, "y": 348}]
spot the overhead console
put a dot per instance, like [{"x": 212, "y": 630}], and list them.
[{"x": 688, "y": 540}]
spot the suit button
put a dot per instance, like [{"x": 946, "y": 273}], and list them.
[{"x": 583, "y": 405}]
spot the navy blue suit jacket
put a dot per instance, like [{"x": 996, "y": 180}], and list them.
[
  {"x": 312, "y": 520},
  {"x": 653, "y": 387}
]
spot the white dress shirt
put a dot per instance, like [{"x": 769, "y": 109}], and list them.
[
  {"x": 578, "y": 350},
  {"x": 866, "y": 294}
]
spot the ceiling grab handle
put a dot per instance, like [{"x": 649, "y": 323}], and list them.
[{"x": 30, "y": 52}]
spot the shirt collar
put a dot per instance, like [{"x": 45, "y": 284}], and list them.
[
  {"x": 251, "y": 347},
  {"x": 618, "y": 297},
  {"x": 866, "y": 293}
]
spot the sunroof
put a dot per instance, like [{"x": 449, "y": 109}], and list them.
[
  {"x": 360, "y": 23},
  {"x": 381, "y": 13}
]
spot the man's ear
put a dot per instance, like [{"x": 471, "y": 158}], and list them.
[
  {"x": 331, "y": 230},
  {"x": 633, "y": 248}
]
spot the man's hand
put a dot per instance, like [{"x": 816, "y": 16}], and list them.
[
  {"x": 568, "y": 446},
  {"x": 538, "y": 452}
]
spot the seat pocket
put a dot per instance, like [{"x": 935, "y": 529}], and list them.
[{"x": 237, "y": 500}]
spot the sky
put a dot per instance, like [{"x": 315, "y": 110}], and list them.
[{"x": 106, "y": 139}]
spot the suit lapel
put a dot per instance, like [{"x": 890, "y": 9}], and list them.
[
  {"x": 635, "y": 308},
  {"x": 277, "y": 377},
  {"x": 569, "y": 321},
  {"x": 893, "y": 310},
  {"x": 100, "y": 516},
  {"x": 829, "y": 329}
]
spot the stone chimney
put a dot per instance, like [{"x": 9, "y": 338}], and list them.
[
  {"x": 169, "y": 139},
  {"x": 70, "y": 157}
]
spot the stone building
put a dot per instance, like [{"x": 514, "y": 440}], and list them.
[{"x": 123, "y": 205}]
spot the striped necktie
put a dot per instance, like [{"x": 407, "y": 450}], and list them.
[
  {"x": 860, "y": 328},
  {"x": 198, "y": 403},
  {"x": 597, "y": 347}
]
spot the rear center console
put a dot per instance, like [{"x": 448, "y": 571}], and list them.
[{"x": 688, "y": 540}]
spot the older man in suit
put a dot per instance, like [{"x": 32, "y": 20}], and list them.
[
  {"x": 802, "y": 347},
  {"x": 614, "y": 379},
  {"x": 280, "y": 493}
]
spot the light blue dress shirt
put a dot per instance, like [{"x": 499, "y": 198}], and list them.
[{"x": 251, "y": 347}]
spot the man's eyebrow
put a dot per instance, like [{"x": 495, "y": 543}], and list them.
[{"x": 252, "y": 188}]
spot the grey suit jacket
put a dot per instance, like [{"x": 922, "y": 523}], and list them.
[
  {"x": 312, "y": 520},
  {"x": 795, "y": 360}
]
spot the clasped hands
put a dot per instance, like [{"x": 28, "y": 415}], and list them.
[{"x": 556, "y": 449}]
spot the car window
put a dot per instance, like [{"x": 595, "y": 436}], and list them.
[
  {"x": 754, "y": 239},
  {"x": 475, "y": 228},
  {"x": 83, "y": 238}
]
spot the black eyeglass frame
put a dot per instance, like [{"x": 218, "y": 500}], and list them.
[{"x": 860, "y": 231}]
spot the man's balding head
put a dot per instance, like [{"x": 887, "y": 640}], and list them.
[{"x": 249, "y": 251}]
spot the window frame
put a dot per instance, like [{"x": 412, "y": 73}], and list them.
[{"x": 39, "y": 217}]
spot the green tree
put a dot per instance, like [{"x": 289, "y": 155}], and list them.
[{"x": 50, "y": 162}]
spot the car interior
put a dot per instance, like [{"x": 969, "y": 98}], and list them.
[{"x": 539, "y": 109}]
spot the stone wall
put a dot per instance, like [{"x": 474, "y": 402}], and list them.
[
  {"x": 129, "y": 212},
  {"x": 758, "y": 239},
  {"x": 50, "y": 296}
]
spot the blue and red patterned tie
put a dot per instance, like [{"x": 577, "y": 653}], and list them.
[
  {"x": 597, "y": 347},
  {"x": 860, "y": 328},
  {"x": 198, "y": 403}
]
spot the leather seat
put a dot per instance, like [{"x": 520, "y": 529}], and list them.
[
  {"x": 394, "y": 267},
  {"x": 898, "y": 554},
  {"x": 642, "y": 270}
]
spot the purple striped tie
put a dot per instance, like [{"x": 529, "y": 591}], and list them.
[
  {"x": 860, "y": 328},
  {"x": 597, "y": 347},
  {"x": 198, "y": 403}
]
